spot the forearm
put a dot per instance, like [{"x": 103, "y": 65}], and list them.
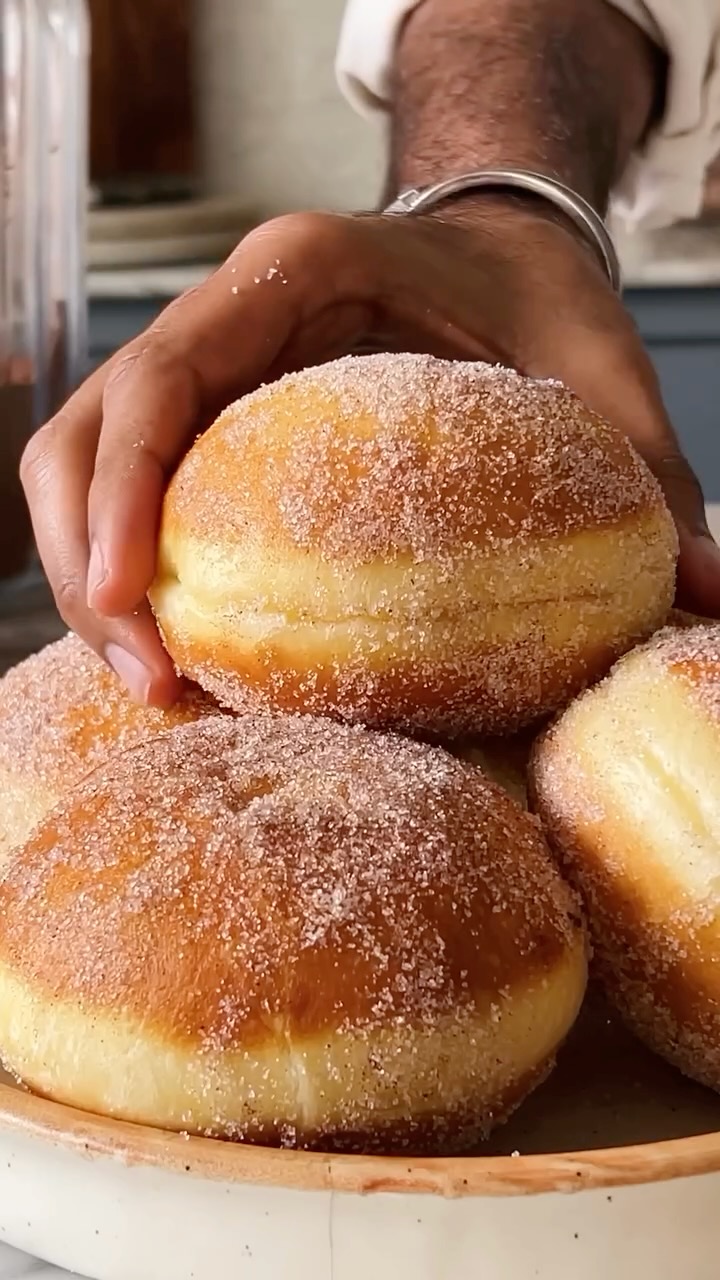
[{"x": 568, "y": 87}]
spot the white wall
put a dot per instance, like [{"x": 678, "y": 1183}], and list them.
[{"x": 273, "y": 125}]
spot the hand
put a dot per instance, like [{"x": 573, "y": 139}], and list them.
[{"x": 499, "y": 283}]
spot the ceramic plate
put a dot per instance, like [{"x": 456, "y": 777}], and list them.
[{"x": 613, "y": 1167}]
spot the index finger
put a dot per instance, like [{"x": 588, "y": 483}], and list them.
[
  {"x": 211, "y": 345},
  {"x": 56, "y": 473}
]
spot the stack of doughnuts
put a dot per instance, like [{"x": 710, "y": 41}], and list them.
[{"x": 310, "y": 905}]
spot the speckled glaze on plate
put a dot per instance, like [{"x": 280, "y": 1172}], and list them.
[{"x": 618, "y": 1172}]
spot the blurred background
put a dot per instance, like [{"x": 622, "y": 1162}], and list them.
[
  {"x": 234, "y": 108},
  {"x": 235, "y": 111}
]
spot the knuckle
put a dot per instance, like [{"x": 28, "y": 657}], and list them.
[
  {"x": 304, "y": 234},
  {"x": 174, "y": 311},
  {"x": 159, "y": 351},
  {"x": 121, "y": 371},
  {"x": 163, "y": 341},
  {"x": 105, "y": 476},
  {"x": 69, "y": 593},
  {"x": 165, "y": 350},
  {"x": 39, "y": 453},
  {"x": 113, "y": 473}
]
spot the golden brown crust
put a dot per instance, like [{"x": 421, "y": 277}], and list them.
[
  {"x": 293, "y": 887},
  {"x": 412, "y": 543},
  {"x": 62, "y": 712},
  {"x": 369, "y": 458},
  {"x": 642, "y": 842},
  {"x": 229, "y": 878}
]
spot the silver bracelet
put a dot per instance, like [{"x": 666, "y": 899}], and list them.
[{"x": 564, "y": 198}]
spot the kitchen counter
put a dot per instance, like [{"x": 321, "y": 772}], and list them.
[{"x": 16, "y": 1266}]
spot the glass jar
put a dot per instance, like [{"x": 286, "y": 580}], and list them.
[{"x": 44, "y": 75}]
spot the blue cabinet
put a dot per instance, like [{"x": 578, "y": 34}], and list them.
[{"x": 680, "y": 326}]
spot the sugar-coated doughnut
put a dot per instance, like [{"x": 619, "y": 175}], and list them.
[
  {"x": 410, "y": 542},
  {"x": 62, "y": 711},
  {"x": 627, "y": 783},
  {"x": 287, "y": 930}
]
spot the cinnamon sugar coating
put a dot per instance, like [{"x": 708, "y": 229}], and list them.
[
  {"x": 627, "y": 783},
  {"x": 62, "y": 712},
  {"x": 306, "y": 933},
  {"x": 413, "y": 543},
  {"x": 461, "y": 453}
]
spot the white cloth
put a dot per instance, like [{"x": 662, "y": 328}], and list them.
[{"x": 664, "y": 182}]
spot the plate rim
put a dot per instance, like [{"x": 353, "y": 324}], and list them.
[{"x": 26, "y": 1114}]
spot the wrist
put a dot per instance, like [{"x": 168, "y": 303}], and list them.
[
  {"x": 499, "y": 208},
  {"x": 563, "y": 87},
  {"x": 520, "y": 220}
]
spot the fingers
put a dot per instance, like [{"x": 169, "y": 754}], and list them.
[
  {"x": 56, "y": 472},
  {"x": 698, "y": 583},
  {"x": 612, "y": 373},
  {"x": 698, "y": 580},
  {"x": 148, "y": 410},
  {"x": 95, "y": 476},
  {"x": 213, "y": 344}
]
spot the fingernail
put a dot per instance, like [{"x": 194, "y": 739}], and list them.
[
  {"x": 133, "y": 673},
  {"x": 95, "y": 573}
]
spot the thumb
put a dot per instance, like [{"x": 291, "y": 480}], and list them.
[
  {"x": 609, "y": 369},
  {"x": 698, "y": 583}
]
